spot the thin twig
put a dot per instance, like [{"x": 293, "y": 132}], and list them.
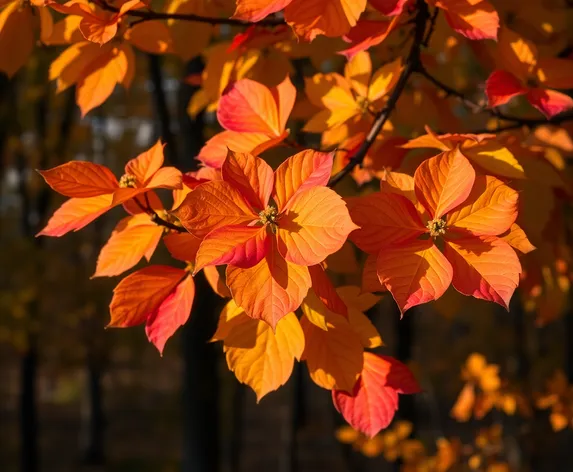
[
  {"x": 516, "y": 121},
  {"x": 149, "y": 15},
  {"x": 412, "y": 64}
]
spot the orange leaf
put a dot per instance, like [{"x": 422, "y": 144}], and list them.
[
  {"x": 215, "y": 151},
  {"x": 490, "y": 209},
  {"x": 68, "y": 68},
  {"x": 152, "y": 37},
  {"x": 300, "y": 172},
  {"x": 101, "y": 76},
  {"x": 147, "y": 164},
  {"x": 370, "y": 280},
  {"x": 368, "y": 33},
  {"x": 471, "y": 18},
  {"x": 415, "y": 272},
  {"x": 384, "y": 218},
  {"x": 16, "y": 37},
  {"x": 76, "y": 213},
  {"x": 80, "y": 179},
  {"x": 314, "y": 310},
  {"x": 173, "y": 312},
  {"x": 374, "y": 400},
  {"x": 133, "y": 238},
  {"x": 333, "y": 18},
  {"x": 443, "y": 182},
  {"x": 517, "y": 239},
  {"x": 182, "y": 246},
  {"x": 261, "y": 358},
  {"x": 271, "y": 289},
  {"x": 256, "y": 10},
  {"x": 325, "y": 291},
  {"x": 250, "y": 107},
  {"x": 139, "y": 294},
  {"x": 314, "y": 225},
  {"x": 357, "y": 303},
  {"x": 231, "y": 316},
  {"x": 240, "y": 246},
  {"x": 484, "y": 267},
  {"x": 216, "y": 281},
  {"x": 334, "y": 356},
  {"x": 251, "y": 176},
  {"x": 213, "y": 205}
]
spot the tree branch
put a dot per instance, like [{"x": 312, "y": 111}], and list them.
[
  {"x": 412, "y": 64},
  {"x": 517, "y": 122},
  {"x": 149, "y": 15}
]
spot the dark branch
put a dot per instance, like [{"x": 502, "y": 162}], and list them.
[
  {"x": 149, "y": 15},
  {"x": 516, "y": 121},
  {"x": 412, "y": 64}
]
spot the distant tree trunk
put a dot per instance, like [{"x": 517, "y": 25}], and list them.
[
  {"x": 94, "y": 433},
  {"x": 28, "y": 408},
  {"x": 200, "y": 358}
]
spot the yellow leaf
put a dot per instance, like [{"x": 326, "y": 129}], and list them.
[
  {"x": 260, "y": 358},
  {"x": 334, "y": 357}
]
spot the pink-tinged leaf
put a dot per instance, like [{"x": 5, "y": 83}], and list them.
[
  {"x": 174, "y": 312},
  {"x": 415, "y": 272},
  {"x": 256, "y": 10},
  {"x": 182, "y": 246},
  {"x": 80, "y": 179},
  {"x": 240, "y": 246},
  {"x": 472, "y": 19},
  {"x": 384, "y": 219},
  {"x": 325, "y": 291},
  {"x": 139, "y": 294},
  {"x": 549, "y": 102},
  {"x": 389, "y": 7},
  {"x": 271, "y": 289},
  {"x": 76, "y": 213},
  {"x": 213, "y": 205},
  {"x": 300, "y": 172},
  {"x": 215, "y": 151},
  {"x": 251, "y": 176},
  {"x": 484, "y": 267},
  {"x": 368, "y": 33},
  {"x": 371, "y": 406},
  {"x": 490, "y": 209},
  {"x": 443, "y": 182},
  {"x": 249, "y": 107},
  {"x": 315, "y": 225},
  {"x": 501, "y": 87}
]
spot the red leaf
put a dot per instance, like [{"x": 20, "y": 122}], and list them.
[
  {"x": 173, "y": 312},
  {"x": 371, "y": 407}
]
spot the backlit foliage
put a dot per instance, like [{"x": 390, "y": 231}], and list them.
[{"x": 326, "y": 155}]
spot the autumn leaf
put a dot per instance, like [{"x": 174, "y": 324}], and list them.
[
  {"x": 173, "y": 313},
  {"x": 271, "y": 289},
  {"x": 81, "y": 179},
  {"x": 159, "y": 296},
  {"x": 133, "y": 238},
  {"x": 259, "y": 357},
  {"x": 100, "y": 190},
  {"x": 374, "y": 400},
  {"x": 334, "y": 355}
]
